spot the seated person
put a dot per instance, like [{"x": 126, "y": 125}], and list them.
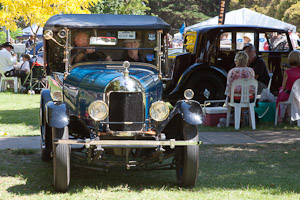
[
  {"x": 132, "y": 55},
  {"x": 259, "y": 67},
  {"x": 82, "y": 39},
  {"x": 8, "y": 59},
  {"x": 289, "y": 77},
  {"x": 25, "y": 66},
  {"x": 238, "y": 72}
]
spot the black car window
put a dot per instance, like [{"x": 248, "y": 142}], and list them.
[
  {"x": 277, "y": 41},
  {"x": 226, "y": 41},
  {"x": 263, "y": 42},
  {"x": 243, "y": 38}
]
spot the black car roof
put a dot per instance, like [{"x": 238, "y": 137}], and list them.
[
  {"x": 107, "y": 21},
  {"x": 235, "y": 27}
]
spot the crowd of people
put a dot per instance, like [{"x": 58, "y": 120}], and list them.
[
  {"x": 249, "y": 66},
  {"x": 8, "y": 64}
]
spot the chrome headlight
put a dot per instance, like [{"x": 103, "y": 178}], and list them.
[
  {"x": 56, "y": 96},
  {"x": 98, "y": 110},
  {"x": 159, "y": 111},
  {"x": 188, "y": 94}
]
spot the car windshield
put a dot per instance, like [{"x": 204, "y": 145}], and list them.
[{"x": 113, "y": 45}]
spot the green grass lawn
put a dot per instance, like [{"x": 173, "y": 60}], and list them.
[
  {"x": 19, "y": 114},
  {"x": 266, "y": 171}
]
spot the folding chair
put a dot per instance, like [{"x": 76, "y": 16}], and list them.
[{"x": 245, "y": 101}]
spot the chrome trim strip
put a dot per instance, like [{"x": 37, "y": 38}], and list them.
[
  {"x": 122, "y": 123},
  {"x": 128, "y": 143}
]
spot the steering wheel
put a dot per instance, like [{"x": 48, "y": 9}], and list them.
[{"x": 96, "y": 56}]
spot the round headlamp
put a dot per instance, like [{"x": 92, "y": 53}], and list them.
[
  {"x": 188, "y": 94},
  {"x": 159, "y": 111},
  {"x": 56, "y": 96},
  {"x": 98, "y": 110},
  {"x": 48, "y": 34}
]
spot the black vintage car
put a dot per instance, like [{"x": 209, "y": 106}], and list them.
[
  {"x": 209, "y": 54},
  {"x": 106, "y": 111}
]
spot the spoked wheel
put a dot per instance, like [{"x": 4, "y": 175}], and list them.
[
  {"x": 61, "y": 160},
  {"x": 187, "y": 159},
  {"x": 206, "y": 86},
  {"x": 46, "y": 137}
]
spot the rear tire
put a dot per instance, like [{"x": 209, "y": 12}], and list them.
[
  {"x": 61, "y": 160},
  {"x": 187, "y": 159},
  {"x": 206, "y": 85}
]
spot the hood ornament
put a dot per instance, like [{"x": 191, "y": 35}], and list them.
[{"x": 126, "y": 66}]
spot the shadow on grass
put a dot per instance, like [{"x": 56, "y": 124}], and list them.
[
  {"x": 266, "y": 168},
  {"x": 27, "y": 116}
]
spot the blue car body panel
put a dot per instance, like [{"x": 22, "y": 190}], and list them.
[{"x": 90, "y": 82}]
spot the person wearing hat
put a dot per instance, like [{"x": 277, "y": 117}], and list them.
[
  {"x": 259, "y": 66},
  {"x": 7, "y": 60},
  {"x": 132, "y": 55},
  {"x": 247, "y": 38}
]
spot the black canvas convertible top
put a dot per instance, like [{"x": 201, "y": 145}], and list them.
[{"x": 107, "y": 21}]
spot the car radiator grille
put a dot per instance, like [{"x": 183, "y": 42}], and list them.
[{"x": 126, "y": 107}]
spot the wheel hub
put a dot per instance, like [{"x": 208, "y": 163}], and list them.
[{"x": 206, "y": 93}]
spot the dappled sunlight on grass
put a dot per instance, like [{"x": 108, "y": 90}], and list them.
[{"x": 264, "y": 171}]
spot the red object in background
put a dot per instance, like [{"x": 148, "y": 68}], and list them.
[{"x": 266, "y": 46}]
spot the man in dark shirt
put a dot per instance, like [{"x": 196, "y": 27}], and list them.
[{"x": 259, "y": 66}]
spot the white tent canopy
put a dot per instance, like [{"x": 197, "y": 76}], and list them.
[
  {"x": 246, "y": 16},
  {"x": 27, "y": 31}
]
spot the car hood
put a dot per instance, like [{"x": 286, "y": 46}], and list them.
[{"x": 98, "y": 77}]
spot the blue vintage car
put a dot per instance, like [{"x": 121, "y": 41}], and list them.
[{"x": 103, "y": 103}]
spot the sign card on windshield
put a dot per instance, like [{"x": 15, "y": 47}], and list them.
[{"x": 126, "y": 35}]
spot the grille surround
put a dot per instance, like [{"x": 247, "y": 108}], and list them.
[{"x": 126, "y": 107}]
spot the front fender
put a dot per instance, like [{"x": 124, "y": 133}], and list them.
[
  {"x": 190, "y": 111},
  {"x": 57, "y": 115},
  {"x": 201, "y": 67}
]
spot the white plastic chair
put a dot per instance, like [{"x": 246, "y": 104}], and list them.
[
  {"x": 244, "y": 101},
  {"x": 4, "y": 79},
  {"x": 294, "y": 96}
]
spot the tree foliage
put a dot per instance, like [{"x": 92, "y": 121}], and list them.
[
  {"x": 13, "y": 35},
  {"x": 38, "y": 11},
  {"x": 292, "y": 14},
  {"x": 130, "y": 7},
  {"x": 176, "y": 12}
]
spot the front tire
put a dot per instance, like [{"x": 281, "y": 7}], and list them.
[
  {"x": 61, "y": 160},
  {"x": 46, "y": 137},
  {"x": 187, "y": 159}
]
